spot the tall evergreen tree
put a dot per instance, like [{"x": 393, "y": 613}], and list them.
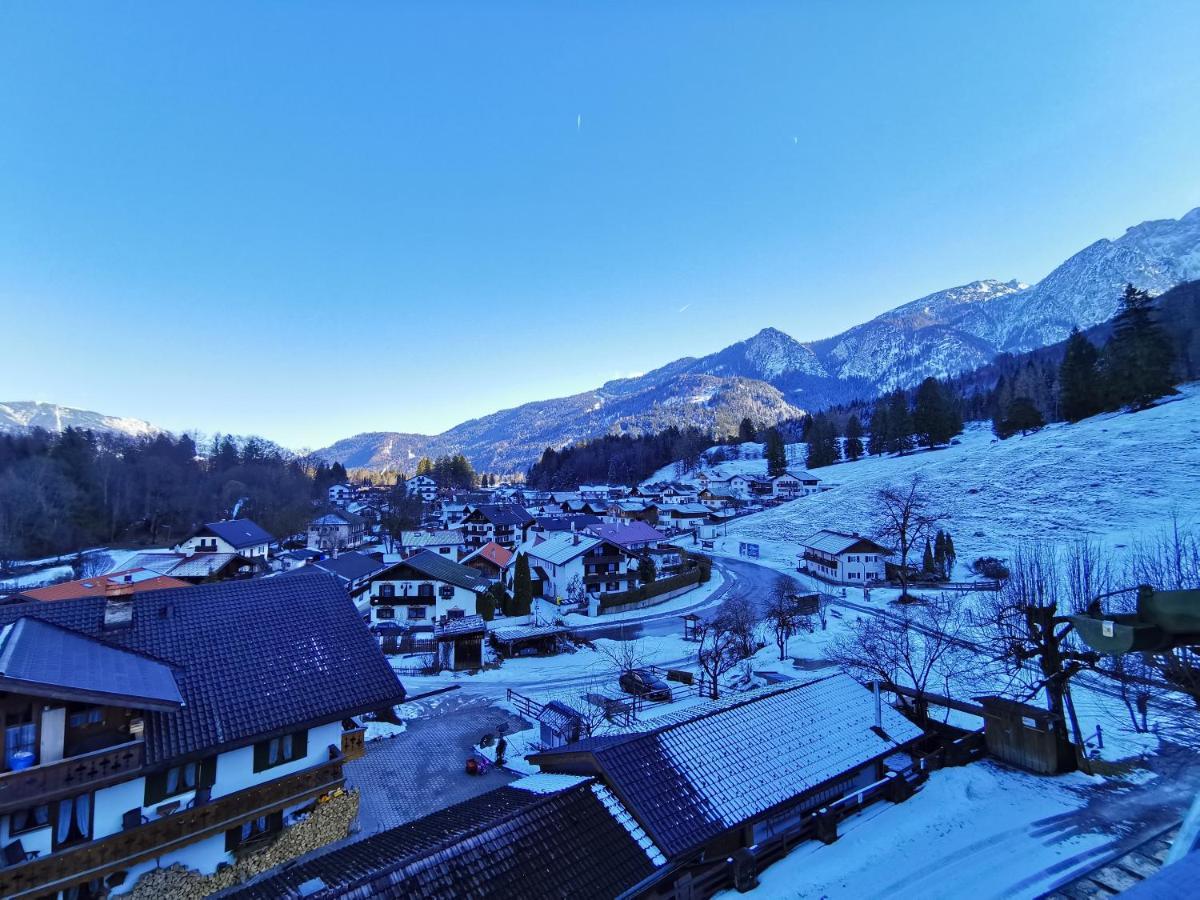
[
  {"x": 1079, "y": 386},
  {"x": 775, "y": 452},
  {"x": 854, "y": 443},
  {"x": 522, "y": 597},
  {"x": 935, "y": 418},
  {"x": 746, "y": 433},
  {"x": 880, "y": 429},
  {"x": 900, "y": 427},
  {"x": 1139, "y": 357},
  {"x": 1021, "y": 415},
  {"x": 928, "y": 565},
  {"x": 823, "y": 449}
]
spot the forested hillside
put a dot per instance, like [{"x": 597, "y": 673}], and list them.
[{"x": 60, "y": 492}]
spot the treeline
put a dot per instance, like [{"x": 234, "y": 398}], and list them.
[
  {"x": 453, "y": 472},
  {"x": 66, "y": 491},
  {"x": 617, "y": 459}
]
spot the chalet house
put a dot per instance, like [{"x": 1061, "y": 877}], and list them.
[
  {"x": 181, "y": 726},
  {"x": 667, "y": 559},
  {"x": 130, "y": 581},
  {"x": 239, "y": 536},
  {"x": 748, "y": 778},
  {"x": 557, "y": 521},
  {"x": 450, "y": 542},
  {"x": 340, "y": 494},
  {"x": 787, "y": 486},
  {"x": 337, "y": 530},
  {"x": 198, "y": 568},
  {"x": 716, "y": 501},
  {"x": 294, "y": 559},
  {"x": 601, "y": 566},
  {"x": 630, "y": 536},
  {"x": 630, "y": 511},
  {"x": 506, "y": 524},
  {"x": 682, "y": 516},
  {"x": 422, "y": 486},
  {"x": 556, "y": 837},
  {"x": 422, "y": 590},
  {"x": 353, "y": 571},
  {"x": 452, "y": 512},
  {"x": 489, "y": 561},
  {"x": 587, "y": 507},
  {"x": 843, "y": 558}
]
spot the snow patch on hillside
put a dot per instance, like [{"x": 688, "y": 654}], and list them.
[{"x": 1114, "y": 477}]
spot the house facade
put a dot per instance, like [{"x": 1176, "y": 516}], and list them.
[
  {"x": 240, "y": 536},
  {"x": 423, "y": 589},
  {"x": 339, "y": 530},
  {"x": 843, "y": 558},
  {"x": 506, "y": 523},
  {"x": 422, "y": 486},
  {"x": 165, "y": 752},
  {"x": 448, "y": 542},
  {"x": 340, "y": 494},
  {"x": 601, "y": 566}
]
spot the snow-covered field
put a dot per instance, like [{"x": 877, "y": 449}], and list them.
[{"x": 1113, "y": 478}]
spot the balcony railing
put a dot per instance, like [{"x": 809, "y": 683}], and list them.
[
  {"x": 125, "y": 849},
  {"x": 73, "y": 775}
]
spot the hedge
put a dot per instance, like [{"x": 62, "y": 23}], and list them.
[{"x": 646, "y": 591}]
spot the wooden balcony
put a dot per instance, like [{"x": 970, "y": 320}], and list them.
[
  {"x": 70, "y": 776},
  {"x": 116, "y": 852}
]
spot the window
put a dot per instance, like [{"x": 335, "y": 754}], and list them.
[
  {"x": 417, "y": 612},
  {"x": 179, "y": 780},
  {"x": 425, "y": 590},
  {"x": 446, "y": 592},
  {"x": 20, "y": 734},
  {"x": 73, "y": 820},
  {"x": 253, "y": 831},
  {"x": 29, "y": 819},
  {"x": 385, "y": 612},
  {"x": 612, "y": 585},
  {"x": 280, "y": 750},
  {"x": 387, "y": 590},
  {"x": 83, "y": 718}
]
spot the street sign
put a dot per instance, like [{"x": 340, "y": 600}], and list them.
[{"x": 746, "y": 549}]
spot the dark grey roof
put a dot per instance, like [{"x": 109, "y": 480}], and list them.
[
  {"x": 437, "y": 567},
  {"x": 504, "y": 513},
  {"x": 576, "y": 841},
  {"x": 349, "y": 567},
  {"x": 251, "y": 658},
  {"x": 239, "y": 533},
  {"x": 706, "y": 772},
  {"x": 44, "y": 660}
]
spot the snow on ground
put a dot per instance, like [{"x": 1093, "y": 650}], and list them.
[
  {"x": 680, "y": 604},
  {"x": 749, "y": 461},
  {"x": 1113, "y": 477},
  {"x": 40, "y": 578},
  {"x": 978, "y": 830}
]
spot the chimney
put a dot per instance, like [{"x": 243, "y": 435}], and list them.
[
  {"x": 575, "y": 537},
  {"x": 118, "y": 607},
  {"x": 878, "y": 704}
]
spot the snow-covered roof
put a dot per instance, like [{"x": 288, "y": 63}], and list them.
[
  {"x": 835, "y": 542},
  {"x": 694, "y": 778},
  {"x": 562, "y": 546},
  {"x": 449, "y": 536}
]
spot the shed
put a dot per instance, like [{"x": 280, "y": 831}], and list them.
[
  {"x": 1025, "y": 736},
  {"x": 560, "y": 724},
  {"x": 527, "y": 640}
]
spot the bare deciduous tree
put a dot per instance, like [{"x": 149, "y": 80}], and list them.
[
  {"x": 906, "y": 518},
  {"x": 721, "y": 646},
  {"x": 922, "y": 649},
  {"x": 780, "y": 614}
]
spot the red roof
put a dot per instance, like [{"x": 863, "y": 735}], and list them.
[
  {"x": 132, "y": 581},
  {"x": 495, "y": 554}
]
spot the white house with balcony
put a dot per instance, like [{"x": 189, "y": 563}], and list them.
[
  {"x": 422, "y": 590},
  {"x": 843, "y": 558}
]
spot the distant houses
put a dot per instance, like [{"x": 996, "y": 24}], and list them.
[
  {"x": 507, "y": 524},
  {"x": 422, "y": 486}
]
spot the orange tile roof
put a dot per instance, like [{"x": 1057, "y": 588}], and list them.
[
  {"x": 113, "y": 583},
  {"x": 494, "y": 553}
]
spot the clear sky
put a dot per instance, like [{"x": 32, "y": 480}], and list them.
[{"x": 307, "y": 220}]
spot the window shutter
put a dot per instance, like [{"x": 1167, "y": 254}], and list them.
[
  {"x": 208, "y": 772},
  {"x": 260, "y": 755},
  {"x": 156, "y": 787},
  {"x": 300, "y": 745}
]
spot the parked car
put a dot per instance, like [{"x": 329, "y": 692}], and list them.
[{"x": 644, "y": 683}]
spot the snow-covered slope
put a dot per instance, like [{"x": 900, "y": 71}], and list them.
[
  {"x": 1113, "y": 478},
  {"x": 22, "y": 416}
]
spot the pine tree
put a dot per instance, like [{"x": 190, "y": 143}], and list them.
[
  {"x": 1020, "y": 415},
  {"x": 1139, "y": 358},
  {"x": 951, "y": 555},
  {"x": 880, "y": 429},
  {"x": 746, "y": 433},
  {"x": 823, "y": 449},
  {"x": 928, "y": 566},
  {"x": 935, "y": 418},
  {"x": 900, "y": 427},
  {"x": 775, "y": 452},
  {"x": 853, "y": 443},
  {"x": 939, "y": 553},
  {"x": 522, "y": 598},
  {"x": 1079, "y": 379}
]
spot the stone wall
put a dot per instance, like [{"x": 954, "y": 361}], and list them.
[{"x": 328, "y": 822}]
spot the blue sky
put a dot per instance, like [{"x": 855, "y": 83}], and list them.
[{"x": 307, "y": 220}]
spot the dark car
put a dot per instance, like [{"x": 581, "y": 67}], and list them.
[{"x": 644, "y": 683}]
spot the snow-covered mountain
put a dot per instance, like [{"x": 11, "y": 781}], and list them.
[
  {"x": 772, "y": 375},
  {"x": 24, "y": 415}
]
